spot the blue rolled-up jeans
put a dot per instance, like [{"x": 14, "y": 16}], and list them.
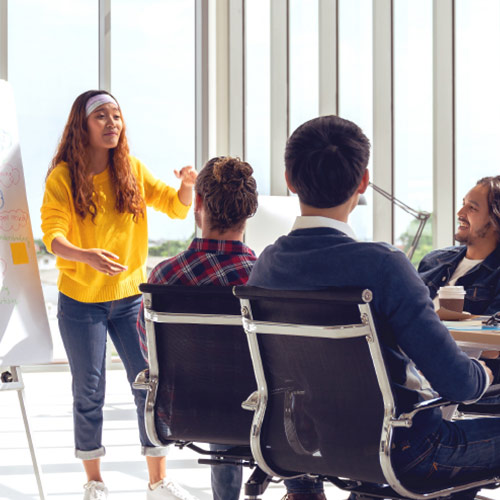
[
  {"x": 459, "y": 451},
  {"x": 84, "y": 327},
  {"x": 226, "y": 479}
]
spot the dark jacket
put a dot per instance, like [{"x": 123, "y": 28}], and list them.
[{"x": 481, "y": 283}]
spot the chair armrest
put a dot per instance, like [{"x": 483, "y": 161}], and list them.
[
  {"x": 432, "y": 403},
  {"x": 142, "y": 381},
  {"x": 493, "y": 390},
  {"x": 405, "y": 419},
  {"x": 252, "y": 402}
]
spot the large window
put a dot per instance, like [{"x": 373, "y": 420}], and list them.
[
  {"x": 53, "y": 47},
  {"x": 303, "y": 48},
  {"x": 54, "y": 56},
  {"x": 258, "y": 91},
  {"x": 355, "y": 86},
  {"x": 413, "y": 119},
  {"x": 152, "y": 57},
  {"x": 477, "y": 98}
]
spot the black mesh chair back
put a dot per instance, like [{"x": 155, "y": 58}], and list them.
[
  {"x": 325, "y": 410},
  {"x": 199, "y": 358}
]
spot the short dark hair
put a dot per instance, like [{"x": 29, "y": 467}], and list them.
[
  {"x": 229, "y": 192},
  {"x": 493, "y": 184},
  {"x": 325, "y": 159}
]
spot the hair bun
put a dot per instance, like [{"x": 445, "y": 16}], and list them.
[
  {"x": 228, "y": 191},
  {"x": 232, "y": 173}
]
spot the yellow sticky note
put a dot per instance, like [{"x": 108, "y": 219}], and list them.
[{"x": 19, "y": 253}]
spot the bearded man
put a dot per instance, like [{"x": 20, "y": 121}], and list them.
[{"x": 475, "y": 264}]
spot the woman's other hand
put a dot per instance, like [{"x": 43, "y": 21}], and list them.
[
  {"x": 104, "y": 261},
  {"x": 101, "y": 260}
]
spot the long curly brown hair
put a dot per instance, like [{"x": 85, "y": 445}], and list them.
[
  {"x": 493, "y": 185},
  {"x": 74, "y": 150}
]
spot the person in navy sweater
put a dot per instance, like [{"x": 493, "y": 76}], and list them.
[{"x": 326, "y": 165}]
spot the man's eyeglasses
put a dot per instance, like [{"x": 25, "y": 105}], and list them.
[{"x": 493, "y": 320}]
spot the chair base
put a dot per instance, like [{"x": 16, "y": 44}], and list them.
[
  {"x": 238, "y": 455},
  {"x": 256, "y": 485}
]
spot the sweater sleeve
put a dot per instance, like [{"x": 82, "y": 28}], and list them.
[
  {"x": 159, "y": 195},
  {"x": 421, "y": 335},
  {"x": 56, "y": 208}
]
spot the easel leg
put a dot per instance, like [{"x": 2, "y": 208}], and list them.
[{"x": 17, "y": 377}]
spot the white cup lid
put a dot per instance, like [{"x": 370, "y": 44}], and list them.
[{"x": 451, "y": 291}]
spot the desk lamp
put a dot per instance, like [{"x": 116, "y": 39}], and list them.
[{"x": 421, "y": 216}]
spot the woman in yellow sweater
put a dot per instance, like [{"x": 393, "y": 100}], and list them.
[{"x": 94, "y": 220}]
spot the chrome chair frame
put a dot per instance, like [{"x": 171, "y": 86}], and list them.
[
  {"x": 365, "y": 329},
  {"x": 149, "y": 380}
]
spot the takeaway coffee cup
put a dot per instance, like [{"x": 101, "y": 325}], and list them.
[{"x": 452, "y": 298}]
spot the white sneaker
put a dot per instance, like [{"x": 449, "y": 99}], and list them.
[
  {"x": 95, "y": 490},
  {"x": 169, "y": 490}
]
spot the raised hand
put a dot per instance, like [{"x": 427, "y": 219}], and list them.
[{"x": 187, "y": 175}]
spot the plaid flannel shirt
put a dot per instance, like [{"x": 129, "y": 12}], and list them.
[{"x": 205, "y": 262}]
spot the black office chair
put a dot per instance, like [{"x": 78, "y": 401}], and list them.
[
  {"x": 324, "y": 404},
  {"x": 199, "y": 374}
]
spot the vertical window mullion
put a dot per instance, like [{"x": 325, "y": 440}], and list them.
[
  {"x": 236, "y": 79},
  {"x": 444, "y": 123},
  {"x": 383, "y": 118},
  {"x": 4, "y": 49},
  {"x": 279, "y": 94},
  {"x": 328, "y": 57},
  {"x": 201, "y": 84},
  {"x": 105, "y": 45}
]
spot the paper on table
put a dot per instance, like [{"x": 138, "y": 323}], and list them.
[{"x": 471, "y": 324}]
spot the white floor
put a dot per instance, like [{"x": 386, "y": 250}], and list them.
[{"x": 48, "y": 402}]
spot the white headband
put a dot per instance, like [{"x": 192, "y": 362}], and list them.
[{"x": 98, "y": 100}]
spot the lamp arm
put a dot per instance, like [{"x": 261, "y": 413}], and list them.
[
  {"x": 416, "y": 238},
  {"x": 416, "y": 213},
  {"x": 422, "y": 216}
]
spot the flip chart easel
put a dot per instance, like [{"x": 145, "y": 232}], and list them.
[
  {"x": 11, "y": 380},
  {"x": 24, "y": 327}
]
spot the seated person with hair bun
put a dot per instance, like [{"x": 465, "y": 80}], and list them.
[{"x": 225, "y": 197}]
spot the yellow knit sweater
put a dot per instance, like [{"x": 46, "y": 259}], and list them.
[{"x": 112, "y": 231}]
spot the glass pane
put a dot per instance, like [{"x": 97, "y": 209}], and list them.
[
  {"x": 153, "y": 80},
  {"x": 52, "y": 59},
  {"x": 304, "y": 85},
  {"x": 413, "y": 120},
  {"x": 47, "y": 76},
  {"x": 257, "y": 91},
  {"x": 355, "y": 87},
  {"x": 477, "y": 97}
]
